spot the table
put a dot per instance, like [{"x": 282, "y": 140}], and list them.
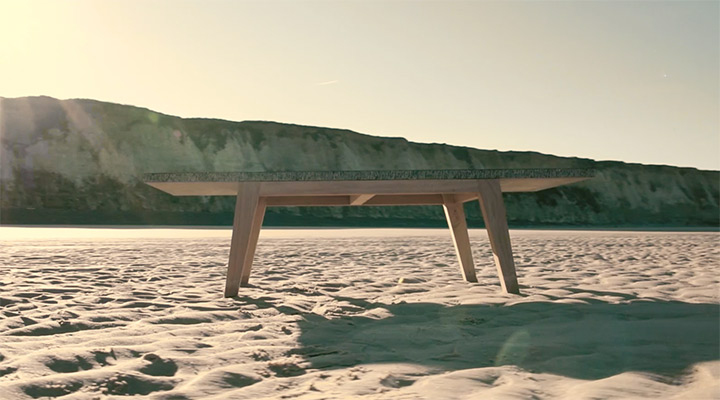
[{"x": 255, "y": 191}]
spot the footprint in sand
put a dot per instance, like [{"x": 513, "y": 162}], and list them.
[
  {"x": 230, "y": 379},
  {"x": 286, "y": 369},
  {"x": 51, "y": 389},
  {"x": 158, "y": 366},
  {"x": 126, "y": 384},
  {"x": 101, "y": 357},
  {"x": 66, "y": 366}
]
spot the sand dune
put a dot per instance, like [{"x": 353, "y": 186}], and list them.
[{"x": 336, "y": 314}]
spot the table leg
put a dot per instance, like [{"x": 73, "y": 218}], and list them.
[
  {"x": 493, "y": 211},
  {"x": 457, "y": 223},
  {"x": 242, "y": 245},
  {"x": 254, "y": 234}
]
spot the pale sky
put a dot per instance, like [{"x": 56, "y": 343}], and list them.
[{"x": 628, "y": 81}]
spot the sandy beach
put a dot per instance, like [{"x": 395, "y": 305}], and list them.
[{"x": 362, "y": 313}]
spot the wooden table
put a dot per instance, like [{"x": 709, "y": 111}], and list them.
[{"x": 450, "y": 188}]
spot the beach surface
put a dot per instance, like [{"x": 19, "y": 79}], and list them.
[{"x": 357, "y": 313}]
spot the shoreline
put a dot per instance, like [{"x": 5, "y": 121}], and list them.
[{"x": 698, "y": 229}]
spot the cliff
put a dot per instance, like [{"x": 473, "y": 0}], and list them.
[{"x": 78, "y": 161}]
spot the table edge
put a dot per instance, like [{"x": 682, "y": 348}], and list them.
[{"x": 368, "y": 175}]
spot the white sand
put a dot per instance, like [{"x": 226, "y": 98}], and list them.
[{"x": 90, "y": 313}]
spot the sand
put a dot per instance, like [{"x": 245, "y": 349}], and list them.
[{"x": 337, "y": 314}]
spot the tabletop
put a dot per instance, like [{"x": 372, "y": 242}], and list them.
[{"x": 368, "y": 175}]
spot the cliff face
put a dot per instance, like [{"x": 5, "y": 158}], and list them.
[{"x": 78, "y": 161}]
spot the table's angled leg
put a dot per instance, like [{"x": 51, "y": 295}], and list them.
[
  {"x": 252, "y": 244},
  {"x": 458, "y": 228},
  {"x": 493, "y": 212},
  {"x": 246, "y": 207}
]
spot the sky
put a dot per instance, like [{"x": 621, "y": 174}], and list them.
[{"x": 629, "y": 81}]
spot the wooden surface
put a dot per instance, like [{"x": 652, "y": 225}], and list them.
[
  {"x": 252, "y": 243},
  {"x": 493, "y": 212},
  {"x": 246, "y": 208},
  {"x": 360, "y": 199},
  {"x": 455, "y": 215},
  {"x": 357, "y": 183},
  {"x": 208, "y": 188},
  {"x": 372, "y": 200}
]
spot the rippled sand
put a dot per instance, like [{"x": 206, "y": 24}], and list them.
[{"x": 349, "y": 313}]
